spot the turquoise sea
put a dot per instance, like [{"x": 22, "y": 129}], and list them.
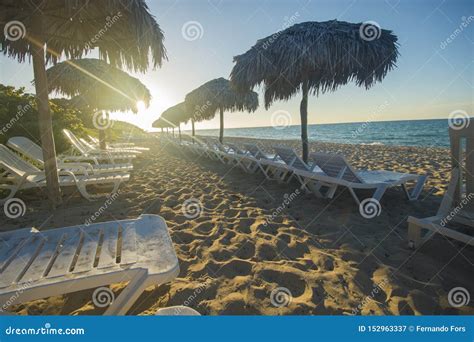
[{"x": 425, "y": 133}]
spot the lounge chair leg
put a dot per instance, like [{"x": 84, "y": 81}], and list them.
[
  {"x": 379, "y": 192},
  {"x": 415, "y": 193},
  {"x": 129, "y": 295},
  {"x": 414, "y": 235},
  {"x": 331, "y": 191},
  {"x": 13, "y": 190}
]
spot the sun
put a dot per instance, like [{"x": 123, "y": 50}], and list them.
[{"x": 141, "y": 106}]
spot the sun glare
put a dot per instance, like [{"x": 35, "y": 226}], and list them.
[{"x": 141, "y": 106}]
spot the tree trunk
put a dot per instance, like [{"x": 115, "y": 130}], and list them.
[
  {"x": 102, "y": 143},
  {"x": 179, "y": 130},
  {"x": 193, "y": 132},
  {"x": 173, "y": 131},
  {"x": 221, "y": 131},
  {"x": 161, "y": 129},
  {"x": 45, "y": 119},
  {"x": 304, "y": 120}
]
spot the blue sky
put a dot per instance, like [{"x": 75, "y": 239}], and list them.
[{"x": 432, "y": 78}]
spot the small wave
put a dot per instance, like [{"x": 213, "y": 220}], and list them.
[{"x": 372, "y": 143}]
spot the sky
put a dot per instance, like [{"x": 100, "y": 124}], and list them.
[{"x": 434, "y": 74}]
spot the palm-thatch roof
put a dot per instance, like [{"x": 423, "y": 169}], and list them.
[
  {"x": 203, "y": 102},
  {"x": 326, "y": 55},
  {"x": 173, "y": 116},
  {"x": 124, "y": 31},
  {"x": 97, "y": 84}
]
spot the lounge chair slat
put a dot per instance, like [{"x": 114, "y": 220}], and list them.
[
  {"x": 86, "y": 257},
  {"x": 108, "y": 252},
  {"x": 9, "y": 248},
  {"x": 129, "y": 245},
  {"x": 22, "y": 260},
  {"x": 66, "y": 255},
  {"x": 145, "y": 240},
  {"x": 39, "y": 266}
]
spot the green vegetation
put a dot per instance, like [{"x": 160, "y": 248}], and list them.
[{"x": 19, "y": 117}]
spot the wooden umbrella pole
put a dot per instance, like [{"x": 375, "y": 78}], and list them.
[
  {"x": 45, "y": 119},
  {"x": 221, "y": 130},
  {"x": 304, "y": 120}
]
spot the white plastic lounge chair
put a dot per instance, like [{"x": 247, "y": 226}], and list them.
[
  {"x": 271, "y": 166},
  {"x": 32, "y": 151},
  {"x": 38, "y": 264},
  {"x": 294, "y": 165},
  {"x": 338, "y": 172},
  {"x": 91, "y": 147},
  {"x": 178, "y": 310},
  {"x": 457, "y": 206},
  {"x": 97, "y": 154},
  {"x": 216, "y": 151},
  {"x": 118, "y": 146},
  {"x": 247, "y": 162},
  {"x": 20, "y": 175}
]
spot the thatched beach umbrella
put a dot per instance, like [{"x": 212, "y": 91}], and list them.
[
  {"x": 100, "y": 86},
  {"x": 124, "y": 32},
  {"x": 162, "y": 123},
  {"x": 315, "y": 58},
  {"x": 174, "y": 115},
  {"x": 218, "y": 95}
]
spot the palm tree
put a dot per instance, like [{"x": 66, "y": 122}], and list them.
[
  {"x": 124, "y": 32},
  {"x": 218, "y": 95},
  {"x": 99, "y": 86},
  {"x": 316, "y": 57}
]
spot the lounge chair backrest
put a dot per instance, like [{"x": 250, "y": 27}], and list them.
[
  {"x": 254, "y": 150},
  {"x": 290, "y": 157},
  {"x": 14, "y": 163},
  {"x": 94, "y": 140},
  {"x": 26, "y": 147},
  {"x": 74, "y": 141},
  {"x": 335, "y": 165},
  {"x": 235, "y": 148},
  {"x": 86, "y": 144}
]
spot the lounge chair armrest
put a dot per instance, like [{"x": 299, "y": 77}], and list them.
[
  {"x": 83, "y": 167},
  {"x": 65, "y": 159}
]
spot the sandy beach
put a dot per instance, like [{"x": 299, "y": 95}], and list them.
[{"x": 242, "y": 249}]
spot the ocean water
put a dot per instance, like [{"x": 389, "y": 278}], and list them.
[{"x": 423, "y": 133}]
